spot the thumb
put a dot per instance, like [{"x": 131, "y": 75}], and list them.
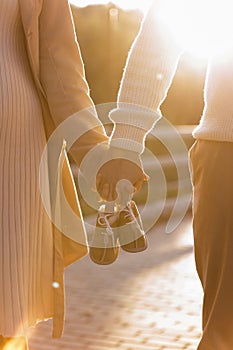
[{"x": 146, "y": 177}]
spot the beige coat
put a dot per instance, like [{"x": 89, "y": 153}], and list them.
[{"x": 58, "y": 73}]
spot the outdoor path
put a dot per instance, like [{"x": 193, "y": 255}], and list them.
[{"x": 144, "y": 301}]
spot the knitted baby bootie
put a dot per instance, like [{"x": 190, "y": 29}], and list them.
[
  {"x": 131, "y": 236},
  {"x": 104, "y": 246}
]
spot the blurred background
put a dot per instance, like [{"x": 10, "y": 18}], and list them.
[{"x": 105, "y": 33}]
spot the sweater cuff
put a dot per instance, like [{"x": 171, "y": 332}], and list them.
[{"x": 131, "y": 125}]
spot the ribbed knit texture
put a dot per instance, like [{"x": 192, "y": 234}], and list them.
[
  {"x": 148, "y": 74},
  {"x": 25, "y": 230},
  {"x": 131, "y": 123},
  {"x": 217, "y": 121}
]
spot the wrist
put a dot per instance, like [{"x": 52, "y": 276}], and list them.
[
  {"x": 131, "y": 125},
  {"x": 128, "y": 138}
]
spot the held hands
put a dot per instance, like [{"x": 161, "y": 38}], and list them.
[
  {"x": 105, "y": 165},
  {"x": 123, "y": 164}
]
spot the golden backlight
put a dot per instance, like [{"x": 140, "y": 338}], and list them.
[
  {"x": 204, "y": 27},
  {"x": 124, "y": 4}
]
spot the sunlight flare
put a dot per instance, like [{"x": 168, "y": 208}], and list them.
[
  {"x": 204, "y": 27},
  {"x": 124, "y": 4}
]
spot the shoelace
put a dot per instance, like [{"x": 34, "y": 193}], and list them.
[
  {"x": 129, "y": 214},
  {"x": 103, "y": 221}
]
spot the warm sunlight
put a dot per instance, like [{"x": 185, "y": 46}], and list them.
[
  {"x": 124, "y": 4},
  {"x": 203, "y": 26}
]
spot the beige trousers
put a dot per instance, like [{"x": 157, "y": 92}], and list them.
[{"x": 212, "y": 174}]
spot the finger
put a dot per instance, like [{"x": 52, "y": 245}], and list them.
[
  {"x": 98, "y": 180},
  {"x": 137, "y": 185},
  {"x": 100, "y": 188},
  {"x": 112, "y": 192},
  {"x": 146, "y": 177},
  {"x": 115, "y": 195},
  {"x": 105, "y": 191}
]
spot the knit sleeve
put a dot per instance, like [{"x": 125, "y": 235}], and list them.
[{"x": 149, "y": 70}]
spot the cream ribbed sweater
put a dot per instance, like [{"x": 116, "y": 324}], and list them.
[
  {"x": 149, "y": 71},
  {"x": 26, "y": 293}
]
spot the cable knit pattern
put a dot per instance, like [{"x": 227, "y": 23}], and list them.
[{"x": 149, "y": 71}]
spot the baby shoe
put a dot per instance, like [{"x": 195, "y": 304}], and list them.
[
  {"x": 104, "y": 246},
  {"x": 130, "y": 231}
]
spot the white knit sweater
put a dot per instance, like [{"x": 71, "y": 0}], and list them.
[{"x": 148, "y": 74}]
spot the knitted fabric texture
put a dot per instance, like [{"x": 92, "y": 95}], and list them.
[{"x": 149, "y": 71}]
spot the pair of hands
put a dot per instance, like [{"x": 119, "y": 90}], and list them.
[
  {"x": 123, "y": 164},
  {"x": 112, "y": 164}
]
